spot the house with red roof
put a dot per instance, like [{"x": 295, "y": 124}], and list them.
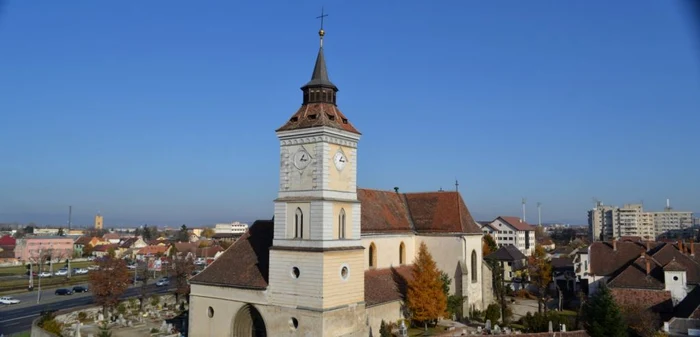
[{"x": 511, "y": 230}]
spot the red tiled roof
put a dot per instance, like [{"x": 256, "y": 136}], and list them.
[
  {"x": 152, "y": 250},
  {"x": 656, "y": 300},
  {"x": 517, "y": 223},
  {"x": 440, "y": 212},
  {"x": 318, "y": 114},
  {"x": 245, "y": 264},
  {"x": 635, "y": 275},
  {"x": 666, "y": 252},
  {"x": 386, "y": 285},
  {"x": 674, "y": 266},
  {"x": 127, "y": 243},
  {"x": 383, "y": 211},
  {"x": 391, "y": 212},
  {"x": 83, "y": 240},
  {"x": 8, "y": 240},
  {"x": 605, "y": 261},
  {"x": 104, "y": 248},
  {"x": 110, "y": 236}
]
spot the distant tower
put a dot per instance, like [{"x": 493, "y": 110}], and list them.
[
  {"x": 524, "y": 201},
  {"x": 98, "y": 221},
  {"x": 539, "y": 214},
  {"x": 70, "y": 216}
]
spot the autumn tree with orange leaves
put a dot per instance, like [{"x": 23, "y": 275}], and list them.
[
  {"x": 109, "y": 282},
  {"x": 425, "y": 299}
]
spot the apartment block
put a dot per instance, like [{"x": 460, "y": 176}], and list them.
[
  {"x": 510, "y": 230},
  {"x": 235, "y": 227},
  {"x": 611, "y": 222}
]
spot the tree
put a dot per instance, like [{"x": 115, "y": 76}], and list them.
[
  {"x": 488, "y": 245},
  {"x": 182, "y": 234},
  {"x": 540, "y": 270},
  {"x": 142, "y": 270},
  {"x": 87, "y": 250},
  {"x": 182, "y": 268},
  {"x": 29, "y": 229},
  {"x": 493, "y": 313},
  {"x": 111, "y": 252},
  {"x": 109, "y": 282},
  {"x": 425, "y": 297},
  {"x": 602, "y": 317},
  {"x": 61, "y": 232},
  {"x": 641, "y": 321},
  {"x": 384, "y": 330},
  {"x": 146, "y": 233},
  {"x": 208, "y": 233}
]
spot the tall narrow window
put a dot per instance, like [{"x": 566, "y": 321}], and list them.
[
  {"x": 402, "y": 253},
  {"x": 341, "y": 224},
  {"x": 298, "y": 224},
  {"x": 372, "y": 255},
  {"x": 474, "y": 277}
]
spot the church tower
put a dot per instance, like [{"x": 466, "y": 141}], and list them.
[{"x": 317, "y": 257}]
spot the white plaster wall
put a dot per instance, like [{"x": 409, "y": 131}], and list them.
[
  {"x": 447, "y": 251},
  {"x": 389, "y": 312},
  {"x": 388, "y": 249}
]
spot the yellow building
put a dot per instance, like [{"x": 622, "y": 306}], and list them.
[{"x": 98, "y": 221}]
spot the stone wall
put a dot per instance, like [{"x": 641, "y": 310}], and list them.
[{"x": 487, "y": 285}]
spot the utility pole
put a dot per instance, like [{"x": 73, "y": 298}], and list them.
[
  {"x": 539, "y": 214},
  {"x": 524, "y": 200},
  {"x": 70, "y": 215},
  {"x": 31, "y": 275}
]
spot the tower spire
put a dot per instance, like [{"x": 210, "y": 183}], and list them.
[{"x": 321, "y": 32}]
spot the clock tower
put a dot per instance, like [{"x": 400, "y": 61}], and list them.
[{"x": 317, "y": 258}]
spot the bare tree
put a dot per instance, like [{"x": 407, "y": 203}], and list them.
[
  {"x": 181, "y": 269},
  {"x": 143, "y": 271},
  {"x": 109, "y": 282}
]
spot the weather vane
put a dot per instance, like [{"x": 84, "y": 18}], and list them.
[{"x": 321, "y": 32}]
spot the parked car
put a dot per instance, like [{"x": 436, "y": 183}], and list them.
[
  {"x": 80, "y": 271},
  {"x": 8, "y": 300},
  {"x": 80, "y": 289},
  {"x": 61, "y": 272},
  {"x": 163, "y": 282},
  {"x": 44, "y": 274},
  {"x": 93, "y": 267},
  {"x": 63, "y": 291}
]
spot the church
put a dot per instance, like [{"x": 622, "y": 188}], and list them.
[{"x": 335, "y": 259}]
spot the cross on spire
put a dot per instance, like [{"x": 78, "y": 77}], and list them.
[{"x": 322, "y": 32}]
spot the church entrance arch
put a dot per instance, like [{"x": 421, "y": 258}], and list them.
[{"x": 249, "y": 323}]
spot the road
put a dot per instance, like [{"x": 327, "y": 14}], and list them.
[{"x": 18, "y": 317}]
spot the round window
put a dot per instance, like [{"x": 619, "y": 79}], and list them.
[
  {"x": 210, "y": 312},
  {"x": 675, "y": 278},
  {"x": 295, "y": 272},
  {"x": 344, "y": 272}
]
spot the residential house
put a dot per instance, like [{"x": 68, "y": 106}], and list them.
[
  {"x": 547, "y": 244},
  {"x": 660, "y": 276},
  {"x": 112, "y": 238},
  {"x": 152, "y": 251},
  {"x": 512, "y": 261},
  {"x": 510, "y": 230},
  {"x": 103, "y": 250}
]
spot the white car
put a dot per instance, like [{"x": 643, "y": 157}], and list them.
[
  {"x": 44, "y": 274},
  {"x": 80, "y": 271},
  {"x": 8, "y": 300},
  {"x": 61, "y": 272}
]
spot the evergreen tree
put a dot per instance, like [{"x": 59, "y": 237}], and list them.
[
  {"x": 602, "y": 316},
  {"x": 425, "y": 297},
  {"x": 384, "y": 330}
]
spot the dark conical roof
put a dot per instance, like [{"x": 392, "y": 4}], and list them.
[{"x": 319, "y": 78}]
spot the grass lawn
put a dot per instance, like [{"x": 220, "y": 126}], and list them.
[
  {"x": 22, "y": 269},
  {"x": 20, "y": 285},
  {"x": 421, "y": 332},
  {"x": 567, "y": 313}
]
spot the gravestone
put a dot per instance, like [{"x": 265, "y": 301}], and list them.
[{"x": 488, "y": 325}]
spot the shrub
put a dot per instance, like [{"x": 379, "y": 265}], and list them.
[
  {"x": 539, "y": 322},
  {"x": 493, "y": 313},
  {"x": 133, "y": 303},
  {"x": 82, "y": 316},
  {"x": 384, "y": 330},
  {"x": 154, "y": 330},
  {"x": 121, "y": 308},
  {"x": 155, "y": 300},
  {"x": 476, "y": 315}
]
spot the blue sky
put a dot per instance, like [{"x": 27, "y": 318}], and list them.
[{"x": 163, "y": 112}]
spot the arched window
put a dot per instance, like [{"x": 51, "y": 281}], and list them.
[
  {"x": 372, "y": 255},
  {"x": 474, "y": 266},
  {"x": 402, "y": 253},
  {"x": 298, "y": 224},
  {"x": 341, "y": 224}
]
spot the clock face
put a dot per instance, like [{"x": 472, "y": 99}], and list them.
[
  {"x": 302, "y": 159},
  {"x": 340, "y": 160}
]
